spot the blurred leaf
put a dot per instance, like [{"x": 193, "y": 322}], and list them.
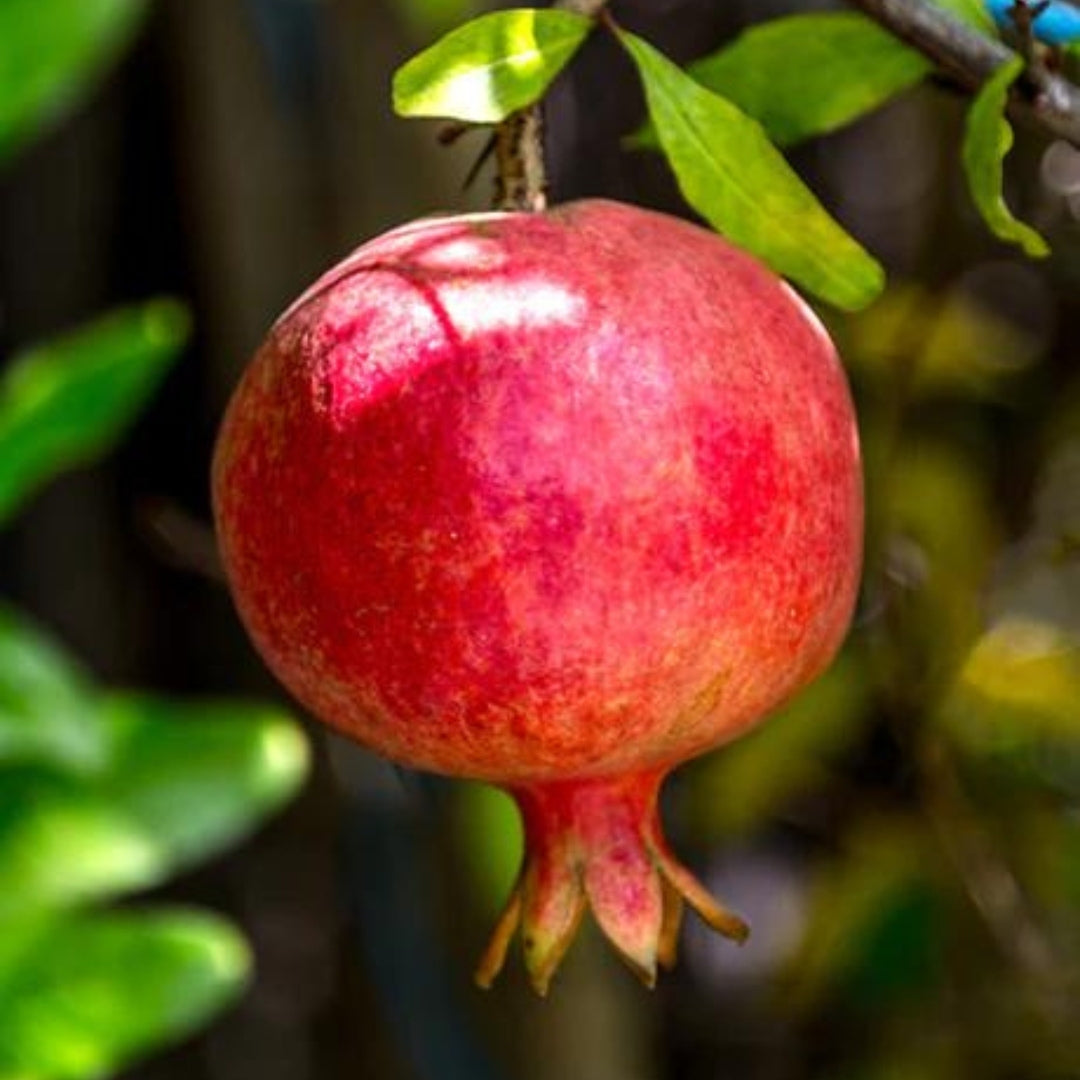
[
  {"x": 739, "y": 788},
  {"x": 987, "y": 139},
  {"x": 490, "y": 67},
  {"x": 184, "y": 781},
  {"x": 98, "y": 990},
  {"x": 197, "y": 776},
  {"x": 66, "y": 402},
  {"x": 48, "y": 712},
  {"x": 51, "y": 53},
  {"x": 1020, "y": 684},
  {"x": 870, "y": 930},
  {"x": 936, "y": 344},
  {"x": 489, "y": 829},
  {"x": 735, "y": 178},
  {"x": 806, "y": 75},
  {"x": 62, "y": 843}
]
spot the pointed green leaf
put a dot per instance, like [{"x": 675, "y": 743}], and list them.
[
  {"x": 806, "y": 75},
  {"x": 987, "y": 139},
  {"x": 48, "y": 711},
  {"x": 51, "y": 52},
  {"x": 66, "y": 402},
  {"x": 490, "y": 67},
  {"x": 99, "y": 990},
  {"x": 198, "y": 776},
  {"x": 740, "y": 183}
]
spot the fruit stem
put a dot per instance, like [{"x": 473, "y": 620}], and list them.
[
  {"x": 596, "y": 843},
  {"x": 520, "y": 172},
  {"x": 520, "y": 177}
]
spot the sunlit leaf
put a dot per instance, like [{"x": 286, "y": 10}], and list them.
[
  {"x": 809, "y": 74},
  {"x": 48, "y": 711},
  {"x": 51, "y": 53},
  {"x": 490, "y": 67},
  {"x": 98, "y": 990},
  {"x": 987, "y": 139},
  {"x": 789, "y": 756},
  {"x": 740, "y": 183},
  {"x": 197, "y": 776},
  {"x": 66, "y": 402},
  {"x": 491, "y": 841}
]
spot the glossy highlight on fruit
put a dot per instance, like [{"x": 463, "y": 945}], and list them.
[{"x": 555, "y": 501}]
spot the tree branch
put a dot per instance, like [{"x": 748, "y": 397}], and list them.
[{"x": 1041, "y": 98}]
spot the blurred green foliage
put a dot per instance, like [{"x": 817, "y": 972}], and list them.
[
  {"x": 67, "y": 401},
  {"x": 90, "y": 989},
  {"x": 100, "y": 793},
  {"x": 51, "y": 53}
]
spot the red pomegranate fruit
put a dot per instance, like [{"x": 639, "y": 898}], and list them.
[{"x": 555, "y": 501}]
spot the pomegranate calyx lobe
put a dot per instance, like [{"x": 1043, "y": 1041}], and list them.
[{"x": 596, "y": 844}]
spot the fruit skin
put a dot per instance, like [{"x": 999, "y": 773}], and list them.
[{"x": 552, "y": 500}]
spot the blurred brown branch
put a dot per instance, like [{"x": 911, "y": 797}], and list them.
[{"x": 1040, "y": 98}]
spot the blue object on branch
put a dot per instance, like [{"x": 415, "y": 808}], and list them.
[{"x": 1057, "y": 24}]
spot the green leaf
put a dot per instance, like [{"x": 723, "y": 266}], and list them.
[
  {"x": 987, "y": 139},
  {"x": 740, "y": 183},
  {"x": 48, "y": 711},
  {"x": 490, "y": 67},
  {"x": 806, "y": 75},
  {"x": 184, "y": 781},
  {"x": 736, "y": 791},
  {"x": 66, "y": 402},
  {"x": 51, "y": 54},
  {"x": 99, "y": 990},
  {"x": 198, "y": 776},
  {"x": 62, "y": 843}
]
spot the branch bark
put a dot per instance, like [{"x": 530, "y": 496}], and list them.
[{"x": 970, "y": 58}]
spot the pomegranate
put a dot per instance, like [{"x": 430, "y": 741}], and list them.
[{"x": 555, "y": 501}]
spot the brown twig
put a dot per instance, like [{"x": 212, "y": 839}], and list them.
[
  {"x": 521, "y": 179},
  {"x": 1043, "y": 99}
]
